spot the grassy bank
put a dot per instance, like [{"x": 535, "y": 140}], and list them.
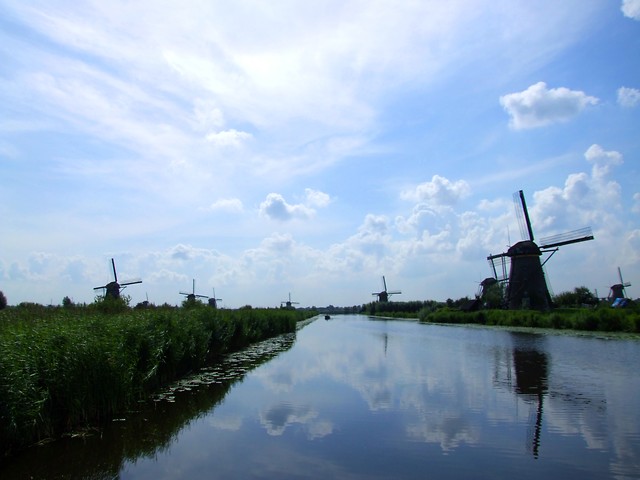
[
  {"x": 601, "y": 319},
  {"x": 65, "y": 369}
]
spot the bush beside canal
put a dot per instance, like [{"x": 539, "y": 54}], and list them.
[
  {"x": 65, "y": 369},
  {"x": 602, "y": 319}
]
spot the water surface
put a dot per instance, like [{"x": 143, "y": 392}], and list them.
[{"x": 358, "y": 398}]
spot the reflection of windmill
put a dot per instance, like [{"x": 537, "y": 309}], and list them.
[
  {"x": 113, "y": 289},
  {"x": 288, "y": 303},
  {"x": 526, "y": 284},
  {"x": 191, "y": 297},
  {"x": 617, "y": 290},
  {"x": 531, "y": 367},
  {"x": 383, "y": 296},
  {"x": 213, "y": 301}
]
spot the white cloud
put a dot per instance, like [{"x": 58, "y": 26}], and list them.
[
  {"x": 631, "y": 9},
  {"x": 276, "y": 207},
  {"x": 228, "y": 138},
  {"x": 438, "y": 192},
  {"x": 317, "y": 198},
  {"x": 227, "y": 205},
  {"x": 628, "y": 97},
  {"x": 602, "y": 160},
  {"x": 585, "y": 199},
  {"x": 538, "y": 105}
]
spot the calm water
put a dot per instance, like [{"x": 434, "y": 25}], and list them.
[{"x": 355, "y": 398}]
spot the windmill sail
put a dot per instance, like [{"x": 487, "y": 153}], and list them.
[
  {"x": 523, "y": 215},
  {"x": 575, "y": 236}
]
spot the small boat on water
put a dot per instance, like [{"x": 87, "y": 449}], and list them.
[{"x": 327, "y": 317}]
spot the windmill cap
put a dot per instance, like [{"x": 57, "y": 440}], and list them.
[{"x": 526, "y": 247}]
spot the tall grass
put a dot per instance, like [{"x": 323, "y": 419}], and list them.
[{"x": 64, "y": 369}]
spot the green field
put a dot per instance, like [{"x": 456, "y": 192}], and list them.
[{"x": 64, "y": 369}]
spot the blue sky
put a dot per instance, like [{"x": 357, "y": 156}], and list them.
[{"x": 286, "y": 147}]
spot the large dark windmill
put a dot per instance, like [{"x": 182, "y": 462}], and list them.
[
  {"x": 526, "y": 284},
  {"x": 617, "y": 290},
  {"x": 113, "y": 289},
  {"x": 213, "y": 301},
  {"x": 288, "y": 303},
  {"x": 191, "y": 297},
  {"x": 383, "y": 296}
]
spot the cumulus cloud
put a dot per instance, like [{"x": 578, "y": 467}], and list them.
[
  {"x": 584, "y": 198},
  {"x": 631, "y": 9},
  {"x": 317, "y": 198},
  {"x": 538, "y": 105},
  {"x": 602, "y": 160},
  {"x": 439, "y": 191},
  {"x": 276, "y": 207},
  {"x": 628, "y": 97}
]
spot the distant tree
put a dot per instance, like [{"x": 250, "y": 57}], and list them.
[
  {"x": 579, "y": 296},
  {"x": 67, "y": 302},
  {"x": 3, "y": 301}
]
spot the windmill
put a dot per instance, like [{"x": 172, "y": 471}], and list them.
[
  {"x": 383, "y": 296},
  {"x": 288, "y": 303},
  {"x": 213, "y": 301},
  {"x": 617, "y": 290},
  {"x": 113, "y": 289},
  {"x": 191, "y": 297},
  {"x": 526, "y": 284}
]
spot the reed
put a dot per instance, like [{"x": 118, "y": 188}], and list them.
[{"x": 63, "y": 369}]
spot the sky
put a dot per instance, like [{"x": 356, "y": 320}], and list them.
[{"x": 310, "y": 148}]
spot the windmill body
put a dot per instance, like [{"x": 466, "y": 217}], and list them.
[
  {"x": 191, "y": 297},
  {"x": 113, "y": 289},
  {"x": 288, "y": 303},
  {"x": 526, "y": 283},
  {"x": 618, "y": 290},
  {"x": 213, "y": 301},
  {"x": 383, "y": 296}
]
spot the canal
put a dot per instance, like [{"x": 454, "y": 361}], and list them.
[{"x": 358, "y": 398}]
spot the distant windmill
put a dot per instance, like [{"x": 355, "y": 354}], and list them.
[
  {"x": 617, "y": 290},
  {"x": 526, "y": 284},
  {"x": 288, "y": 303},
  {"x": 191, "y": 297},
  {"x": 113, "y": 289},
  {"x": 213, "y": 301},
  {"x": 383, "y": 296}
]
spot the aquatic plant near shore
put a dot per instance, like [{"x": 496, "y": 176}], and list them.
[{"x": 63, "y": 369}]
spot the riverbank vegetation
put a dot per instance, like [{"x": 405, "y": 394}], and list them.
[
  {"x": 575, "y": 310},
  {"x": 68, "y": 368}
]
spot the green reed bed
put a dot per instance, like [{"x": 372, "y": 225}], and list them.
[
  {"x": 601, "y": 319},
  {"x": 66, "y": 369}
]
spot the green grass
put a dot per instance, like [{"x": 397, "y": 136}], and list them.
[
  {"x": 601, "y": 319},
  {"x": 68, "y": 368}
]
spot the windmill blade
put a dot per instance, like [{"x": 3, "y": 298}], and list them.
[
  {"x": 131, "y": 282},
  {"x": 201, "y": 296},
  {"x": 384, "y": 284},
  {"x": 575, "y": 236},
  {"x": 522, "y": 215},
  {"x": 394, "y": 292},
  {"x": 113, "y": 265},
  {"x": 622, "y": 282},
  {"x": 184, "y": 293},
  {"x": 99, "y": 288}
]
